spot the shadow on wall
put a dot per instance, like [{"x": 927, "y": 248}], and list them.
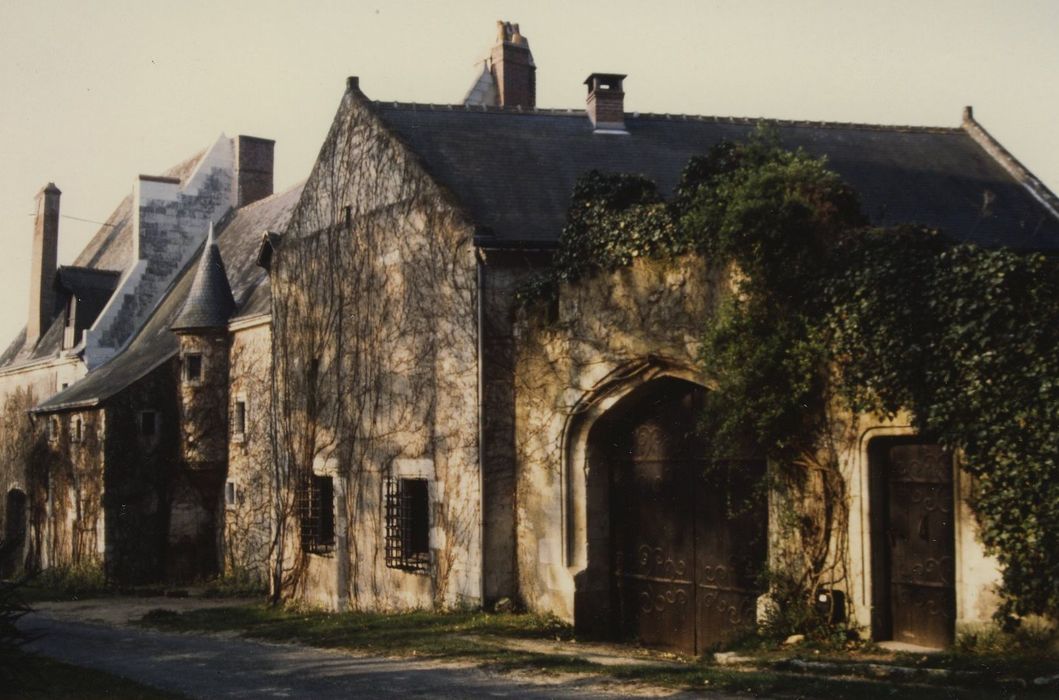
[{"x": 12, "y": 546}]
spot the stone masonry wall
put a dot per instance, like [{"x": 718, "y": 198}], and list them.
[{"x": 248, "y": 517}]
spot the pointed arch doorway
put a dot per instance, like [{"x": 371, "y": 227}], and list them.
[{"x": 675, "y": 544}]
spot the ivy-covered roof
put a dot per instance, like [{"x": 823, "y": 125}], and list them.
[{"x": 513, "y": 171}]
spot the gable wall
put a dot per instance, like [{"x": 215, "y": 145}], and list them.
[
  {"x": 249, "y": 520},
  {"x": 383, "y": 299}
]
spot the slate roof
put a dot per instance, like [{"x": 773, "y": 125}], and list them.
[
  {"x": 109, "y": 249},
  {"x": 237, "y": 239},
  {"x": 513, "y": 171},
  {"x": 210, "y": 303},
  {"x": 483, "y": 92}
]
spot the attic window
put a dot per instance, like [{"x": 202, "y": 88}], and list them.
[
  {"x": 407, "y": 525},
  {"x": 193, "y": 367}
]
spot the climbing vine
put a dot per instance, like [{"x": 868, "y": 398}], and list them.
[{"x": 828, "y": 317}]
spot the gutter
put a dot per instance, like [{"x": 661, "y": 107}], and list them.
[{"x": 42, "y": 363}]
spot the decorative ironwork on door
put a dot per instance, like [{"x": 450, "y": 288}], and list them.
[
  {"x": 688, "y": 537},
  {"x": 914, "y": 543}
]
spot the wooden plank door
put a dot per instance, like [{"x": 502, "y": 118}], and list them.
[{"x": 920, "y": 539}]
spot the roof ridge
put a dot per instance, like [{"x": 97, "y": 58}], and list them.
[{"x": 716, "y": 119}]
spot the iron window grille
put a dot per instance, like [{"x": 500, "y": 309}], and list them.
[
  {"x": 317, "y": 514},
  {"x": 407, "y": 525}
]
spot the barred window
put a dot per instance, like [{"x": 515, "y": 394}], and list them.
[
  {"x": 316, "y": 509},
  {"x": 407, "y": 524}
]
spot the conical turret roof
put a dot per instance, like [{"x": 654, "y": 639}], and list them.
[{"x": 210, "y": 302}]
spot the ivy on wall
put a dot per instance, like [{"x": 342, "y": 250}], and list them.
[{"x": 829, "y": 312}]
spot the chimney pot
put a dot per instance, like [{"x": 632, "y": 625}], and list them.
[
  {"x": 606, "y": 102},
  {"x": 511, "y": 64}
]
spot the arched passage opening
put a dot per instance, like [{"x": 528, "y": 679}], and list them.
[{"x": 675, "y": 543}]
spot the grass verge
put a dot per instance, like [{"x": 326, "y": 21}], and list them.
[{"x": 488, "y": 640}]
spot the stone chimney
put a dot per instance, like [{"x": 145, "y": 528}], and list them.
[
  {"x": 606, "y": 102},
  {"x": 511, "y": 64},
  {"x": 253, "y": 169},
  {"x": 45, "y": 259}
]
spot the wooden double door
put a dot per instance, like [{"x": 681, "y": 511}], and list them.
[
  {"x": 913, "y": 525},
  {"x": 688, "y": 536}
]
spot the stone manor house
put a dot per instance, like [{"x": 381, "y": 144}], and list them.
[{"x": 331, "y": 389}]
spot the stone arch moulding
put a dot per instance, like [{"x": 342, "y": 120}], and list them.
[
  {"x": 860, "y": 512},
  {"x": 860, "y": 530},
  {"x": 594, "y": 404}
]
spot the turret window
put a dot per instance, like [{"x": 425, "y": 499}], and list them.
[
  {"x": 193, "y": 367},
  {"x": 239, "y": 419}
]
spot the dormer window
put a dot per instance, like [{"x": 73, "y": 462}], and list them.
[
  {"x": 193, "y": 367},
  {"x": 70, "y": 330}
]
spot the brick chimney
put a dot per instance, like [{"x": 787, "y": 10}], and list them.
[
  {"x": 606, "y": 102},
  {"x": 44, "y": 261},
  {"x": 253, "y": 169},
  {"x": 511, "y": 64}
]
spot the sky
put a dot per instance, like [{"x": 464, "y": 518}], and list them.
[{"x": 93, "y": 94}]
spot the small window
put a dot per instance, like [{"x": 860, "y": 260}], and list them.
[
  {"x": 193, "y": 367},
  {"x": 317, "y": 510},
  {"x": 407, "y": 525},
  {"x": 53, "y": 428},
  {"x": 77, "y": 430},
  {"x": 148, "y": 423},
  {"x": 239, "y": 419},
  {"x": 230, "y": 493}
]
